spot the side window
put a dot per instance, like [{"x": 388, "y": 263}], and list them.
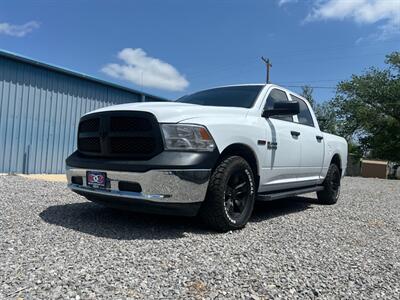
[
  {"x": 277, "y": 96},
  {"x": 304, "y": 116}
]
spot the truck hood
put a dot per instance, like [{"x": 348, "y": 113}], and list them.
[{"x": 174, "y": 112}]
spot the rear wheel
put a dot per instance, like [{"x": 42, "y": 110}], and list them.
[
  {"x": 230, "y": 196},
  {"x": 331, "y": 191}
]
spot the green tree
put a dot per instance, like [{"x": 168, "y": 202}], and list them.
[
  {"x": 326, "y": 116},
  {"x": 324, "y": 112},
  {"x": 367, "y": 108},
  {"x": 307, "y": 92}
]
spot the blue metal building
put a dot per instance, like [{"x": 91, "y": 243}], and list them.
[{"x": 40, "y": 106}]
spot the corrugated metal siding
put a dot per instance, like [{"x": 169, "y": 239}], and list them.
[{"x": 39, "y": 114}]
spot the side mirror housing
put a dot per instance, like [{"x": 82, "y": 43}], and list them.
[{"x": 284, "y": 108}]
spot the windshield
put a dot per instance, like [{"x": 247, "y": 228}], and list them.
[{"x": 235, "y": 96}]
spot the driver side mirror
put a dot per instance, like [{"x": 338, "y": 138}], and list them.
[{"x": 283, "y": 108}]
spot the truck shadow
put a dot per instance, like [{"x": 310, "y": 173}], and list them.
[
  {"x": 93, "y": 219},
  {"x": 272, "y": 209}
]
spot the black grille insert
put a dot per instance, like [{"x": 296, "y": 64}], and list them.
[
  {"x": 130, "y": 124},
  {"x": 120, "y": 134},
  {"x": 89, "y": 144},
  {"x": 90, "y": 125},
  {"x": 133, "y": 145}
]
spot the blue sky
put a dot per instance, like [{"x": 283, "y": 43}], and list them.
[{"x": 171, "y": 48}]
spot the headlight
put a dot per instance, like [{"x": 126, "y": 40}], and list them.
[{"x": 187, "y": 137}]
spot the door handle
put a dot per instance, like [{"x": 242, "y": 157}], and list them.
[
  {"x": 319, "y": 138},
  {"x": 295, "y": 133}
]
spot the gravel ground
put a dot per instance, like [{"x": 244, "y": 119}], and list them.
[{"x": 55, "y": 244}]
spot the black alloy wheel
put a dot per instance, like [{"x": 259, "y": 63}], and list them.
[
  {"x": 230, "y": 197},
  {"x": 237, "y": 194},
  {"x": 331, "y": 192},
  {"x": 335, "y": 183}
]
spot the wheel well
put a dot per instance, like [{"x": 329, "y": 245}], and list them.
[
  {"x": 337, "y": 161},
  {"x": 244, "y": 151}
]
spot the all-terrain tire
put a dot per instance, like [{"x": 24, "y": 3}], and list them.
[
  {"x": 218, "y": 209},
  {"x": 330, "y": 194}
]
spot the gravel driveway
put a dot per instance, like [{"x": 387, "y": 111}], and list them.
[{"x": 55, "y": 244}]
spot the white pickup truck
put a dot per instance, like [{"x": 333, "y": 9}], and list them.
[{"x": 211, "y": 153}]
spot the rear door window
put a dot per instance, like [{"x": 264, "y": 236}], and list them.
[{"x": 304, "y": 116}]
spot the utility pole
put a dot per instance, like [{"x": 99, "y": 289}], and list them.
[{"x": 268, "y": 65}]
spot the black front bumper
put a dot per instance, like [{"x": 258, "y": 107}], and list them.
[{"x": 165, "y": 160}]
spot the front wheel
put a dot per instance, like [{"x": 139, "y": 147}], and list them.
[
  {"x": 230, "y": 197},
  {"x": 330, "y": 193}
]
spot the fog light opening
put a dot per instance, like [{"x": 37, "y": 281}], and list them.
[
  {"x": 127, "y": 186},
  {"x": 77, "y": 180}
]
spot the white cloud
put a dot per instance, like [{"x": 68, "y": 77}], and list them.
[
  {"x": 386, "y": 12},
  {"x": 142, "y": 69},
  {"x": 283, "y": 2},
  {"x": 18, "y": 30}
]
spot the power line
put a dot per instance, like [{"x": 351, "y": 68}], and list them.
[
  {"x": 308, "y": 82},
  {"x": 314, "y": 87},
  {"x": 288, "y": 60},
  {"x": 306, "y": 51}
]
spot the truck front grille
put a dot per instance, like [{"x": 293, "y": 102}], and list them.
[{"x": 120, "y": 134}]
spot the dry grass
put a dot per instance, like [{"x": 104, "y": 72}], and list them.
[{"x": 47, "y": 177}]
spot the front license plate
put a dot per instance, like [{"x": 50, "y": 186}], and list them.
[{"x": 96, "y": 179}]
